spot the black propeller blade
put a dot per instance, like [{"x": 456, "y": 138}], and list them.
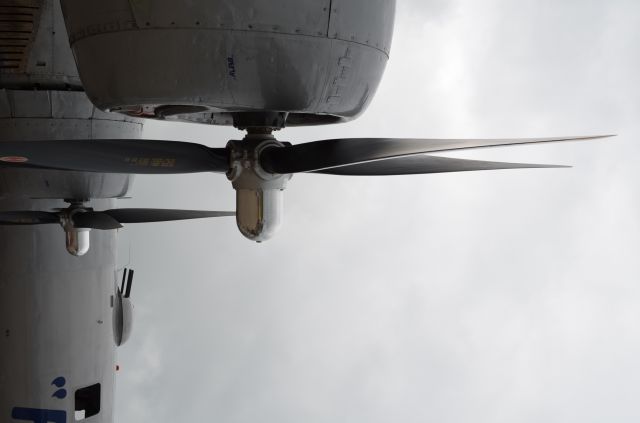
[
  {"x": 161, "y": 215},
  {"x": 112, "y": 219},
  {"x": 419, "y": 164},
  {"x": 118, "y": 156},
  {"x": 28, "y": 217},
  {"x": 108, "y": 219},
  {"x": 95, "y": 220},
  {"x": 169, "y": 157},
  {"x": 326, "y": 154}
]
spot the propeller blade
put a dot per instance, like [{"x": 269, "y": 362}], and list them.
[
  {"x": 95, "y": 220},
  {"x": 326, "y": 154},
  {"x": 28, "y": 217},
  {"x": 116, "y": 156},
  {"x": 161, "y": 215},
  {"x": 419, "y": 164}
]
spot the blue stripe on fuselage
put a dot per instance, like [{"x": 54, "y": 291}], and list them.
[{"x": 37, "y": 415}]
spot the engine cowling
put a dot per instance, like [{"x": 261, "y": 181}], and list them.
[{"x": 317, "y": 61}]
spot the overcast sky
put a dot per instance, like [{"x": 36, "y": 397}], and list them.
[{"x": 482, "y": 296}]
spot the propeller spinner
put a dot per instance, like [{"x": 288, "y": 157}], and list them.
[
  {"x": 259, "y": 166},
  {"x": 78, "y": 220}
]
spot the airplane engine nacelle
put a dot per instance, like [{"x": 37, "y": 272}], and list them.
[{"x": 227, "y": 62}]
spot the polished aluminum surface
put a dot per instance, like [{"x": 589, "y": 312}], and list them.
[
  {"x": 78, "y": 241},
  {"x": 259, "y": 213}
]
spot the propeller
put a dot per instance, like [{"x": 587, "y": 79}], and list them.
[
  {"x": 28, "y": 217},
  {"x": 107, "y": 219},
  {"x": 422, "y": 164},
  {"x": 259, "y": 167},
  {"x": 77, "y": 220},
  {"x": 115, "y": 156},
  {"x": 335, "y": 153},
  {"x": 112, "y": 219},
  {"x": 171, "y": 157}
]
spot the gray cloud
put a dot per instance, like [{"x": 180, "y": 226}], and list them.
[{"x": 504, "y": 296}]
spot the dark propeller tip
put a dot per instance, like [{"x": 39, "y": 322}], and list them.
[
  {"x": 28, "y": 217},
  {"x": 115, "y": 156},
  {"x": 162, "y": 215},
  {"x": 95, "y": 220},
  {"x": 328, "y": 156},
  {"x": 424, "y": 164},
  {"x": 113, "y": 219}
]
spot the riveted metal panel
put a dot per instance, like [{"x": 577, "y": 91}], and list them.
[
  {"x": 288, "y": 72},
  {"x": 31, "y": 104},
  {"x": 190, "y": 68},
  {"x": 41, "y": 129},
  {"x": 354, "y": 74},
  {"x": 85, "y": 18},
  {"x": 5, "y": 105},
  {"x": 62, "y": 184},
  {"x": 307, "y": 17},
  {"x": 368, "y": 22},
  {"x": 230, "y": 71},
  {"x": 209, "y": 58},
  {"x": 70, "y": 104}
]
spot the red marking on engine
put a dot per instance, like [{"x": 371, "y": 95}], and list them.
[{"x": 13, "y": 159}]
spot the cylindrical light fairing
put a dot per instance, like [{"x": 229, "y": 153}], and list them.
[
  {"x": 259, "y": 212},
  {"x": 77, "y": 241}
]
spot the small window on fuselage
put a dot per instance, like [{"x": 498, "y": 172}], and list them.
[{"x": 87, "y": 402}]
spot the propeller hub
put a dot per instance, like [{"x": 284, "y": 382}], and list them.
[{"x": 259, "y": 194}]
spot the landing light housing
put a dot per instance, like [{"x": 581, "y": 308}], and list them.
[
  {"x": 77, "y": 241},
  {"x": 259, "y": 194}
]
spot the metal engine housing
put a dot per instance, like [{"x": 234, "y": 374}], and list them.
[{"x": 213, "y": 61}]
